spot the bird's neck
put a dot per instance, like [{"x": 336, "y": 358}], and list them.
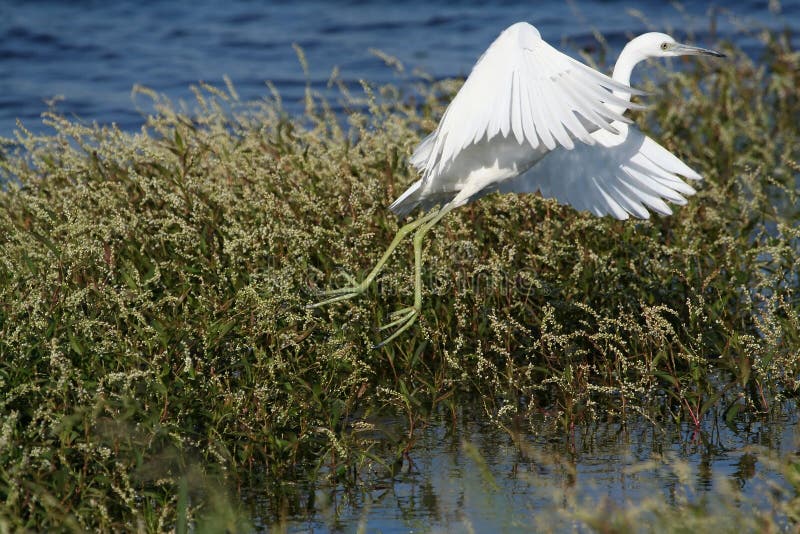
[{"x": 627, "y": 60}]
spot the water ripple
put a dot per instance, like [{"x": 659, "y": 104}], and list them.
[{"x": 93, "y": 53}]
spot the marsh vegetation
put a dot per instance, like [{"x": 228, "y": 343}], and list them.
[{"x": 159, "y": 368}]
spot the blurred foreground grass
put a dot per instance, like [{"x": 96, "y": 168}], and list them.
[{"x": 156, "y": 355}]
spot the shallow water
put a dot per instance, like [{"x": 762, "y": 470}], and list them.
[
  {"x": 474, "y": 475},
  {"x": 86, "y": 56}
]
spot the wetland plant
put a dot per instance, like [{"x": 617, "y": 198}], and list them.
[{"x": 157, "y": 358}]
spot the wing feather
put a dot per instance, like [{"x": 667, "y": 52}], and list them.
[
  {"x": 528, "y": 126},
  {"x": 516, "y": 109},
  {"x": 538, "y": 118},
  {"x": 645, "y": 196},
  {"x": 663, "y": 158},
  {"x": 523, "y": 86},
  {"x": 628, "y": 199},
  {"x": 589, "y": 93},
  {"x": 605, "y": 203},
  {"x": 640, "y": 180},
  {"x": 421, "y": 154},
  {"x": 622, "y": 174}
]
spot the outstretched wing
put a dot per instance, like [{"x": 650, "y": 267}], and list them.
[
  {"x": 621, "y": 174},
  {"x": 525, "y": 87}
]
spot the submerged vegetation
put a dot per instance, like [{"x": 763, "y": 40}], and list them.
[{"x": 157, "y": 357}]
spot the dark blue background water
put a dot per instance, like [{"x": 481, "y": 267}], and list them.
[{"x": 91, "y": 53}]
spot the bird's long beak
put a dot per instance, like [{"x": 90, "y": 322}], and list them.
[{"x": 687, "y": 50}]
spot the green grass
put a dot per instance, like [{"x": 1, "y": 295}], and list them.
[{"x": 156, "y": 355}]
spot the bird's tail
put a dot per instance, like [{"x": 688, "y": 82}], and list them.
[
  {"x": 406, "y": 202},
  {"x": 412, "y": 197}
]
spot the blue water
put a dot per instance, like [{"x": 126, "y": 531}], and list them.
[
  {"x": 85, "y": 56},
  {"x": 509, "y": 486}
]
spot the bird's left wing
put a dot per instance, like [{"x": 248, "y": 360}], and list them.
[
  {"x": 524, "y": 87},
  {"x": 622, "y": 174}
]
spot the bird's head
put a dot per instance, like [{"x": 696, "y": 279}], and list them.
[{"x": 655, "y": 44}]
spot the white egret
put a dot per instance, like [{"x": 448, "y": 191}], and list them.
[{"x": 529, "y": 118}]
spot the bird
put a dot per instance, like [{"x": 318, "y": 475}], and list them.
[{"x": 529, "y": 118}]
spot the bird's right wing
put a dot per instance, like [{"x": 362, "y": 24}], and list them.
[
  {"x": 622, "y": 174},
  {"x": 524, "y": 87}
]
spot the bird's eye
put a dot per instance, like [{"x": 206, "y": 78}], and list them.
[{"x": 664, "y": 46}]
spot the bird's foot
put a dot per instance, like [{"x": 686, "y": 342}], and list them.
[
  {"x": 342, "y": 293},
  {"x": 402, "y": 319}
]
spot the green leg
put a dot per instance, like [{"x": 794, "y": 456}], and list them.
[
  {"x": 335, "y": 295},
  {"x": 405, "y": 317}
]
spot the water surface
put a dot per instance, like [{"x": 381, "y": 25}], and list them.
[
  {"x": 86, "y": 56},
  {"x": 472, "y": 474}
]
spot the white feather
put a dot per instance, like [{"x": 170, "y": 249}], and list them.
[
  {"x": 529, "y": 118},
  {"x": 616, "y": 176}
]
